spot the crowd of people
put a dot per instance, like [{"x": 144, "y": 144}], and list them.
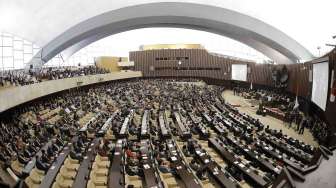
[
  {"x": 58, "y": 119},
  {"x": 25, "y": 77}
]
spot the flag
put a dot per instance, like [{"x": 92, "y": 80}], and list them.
[
  {"x": 296, "y": 105},
  {"x": 251, "y": 87}
]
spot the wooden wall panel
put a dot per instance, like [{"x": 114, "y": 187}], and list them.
[{"x": 260, "y": 74}]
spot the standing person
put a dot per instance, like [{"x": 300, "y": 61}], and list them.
[
  {"x": 291, "y": 119},
  {"x": 303, "y": 124}
]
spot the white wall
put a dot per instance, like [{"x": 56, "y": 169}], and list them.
[{"x": 17, "y": 95}]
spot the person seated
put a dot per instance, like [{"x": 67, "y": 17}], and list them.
[
  {"x": 131, "y": 154},
  {"x": 50, "y": 151},
  {"x": 186, "y": 151},
  {"x": 55, "y": 147},
  {"x": 45, "y": 158},
  {"x": 76, "y": 155},
  {"x": 76, "y": 148},
  {"x": 164, "y": 166},
  {"x": 41, "y": 165},
  {"x": 22, "y": 159},
  {"x": 132, "y": 169},
  {"x": 194, "y": 165},
  {"x": 59, "y": 142},
  {"x": 27, "y": 154},
  {"x": 202, "y": 174}
]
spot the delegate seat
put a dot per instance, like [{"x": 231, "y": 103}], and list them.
[
  {"x": 102, "y": 161},
  {"x": 35, "y": 178},
  {"x": 135, "y": 181},
  {"x": 62, "y": 182},
  {"x": 101, "y": 171},
  {"x": 92, "y": 184},
  {"x": 98, "y": 179},
  {"x": 17, "y": 167},
  {"x": 68, "y": 174},
  {"x": 71, "y": 166},
  {"x": 73, "y": 160},
  {"x": 29, "y": 182},
  {"x": 109, "y": 135}
]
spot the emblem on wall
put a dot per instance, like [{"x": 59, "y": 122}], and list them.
[{"x": 280, "y": 77}]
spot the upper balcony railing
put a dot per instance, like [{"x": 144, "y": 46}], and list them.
[{"x": 13, "y": 96}]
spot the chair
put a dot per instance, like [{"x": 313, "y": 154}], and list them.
[
  {"x": 70, "y": 166},
  {"x": 91, "y": 184},
  {"x": 62, "y": 182},
  {"x": 102, "y": 161},
  {"x": 166, "y": 175},
  {"x": 98, "y": 180},
  {"x": 17, "y": 167},
  {"x": 30, "y": 183},
  {"x": 171, "y": 182},
  {"x": 37, "y": 175},
  {"x": 109, "y": 135},
  {"x": 99, "y": 170},
  {"x": 67, "y": 174},
  {"x": 72, "y": 160}
]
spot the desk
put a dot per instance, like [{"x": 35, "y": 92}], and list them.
[
  {"x": 276, "y": 113},
  {"x": 207, "y": 117},
  {"x": 214, "y": 169},
  {"x": 186, "y": 176},
  {"x": 183, "y": 130},
  {"x": 214, "y": 109},
  {"x": 144, "y": 125},
  {"x": 93, "y": 119},
  {"x": 181, "y": 168},
  {"x": 151, "y": 177},
  {"x": 265, "y": 164},
  {"x": 163, "y": 128},
  {"x": 84, "y": 168},
  {"x": 31, "y": 164},
  {"x": 116, "y": 175},
  {"x": 49, "y": 178},
  {"x": 220, "y": 107},
  {"x": 285, "y": 148},
  {"x": 219, "y": 146},
  {"x": 203, "y": 131},
  {"x": 107, "y": 124},
  {"x": 124, "y": 127},
  {"x": 279, "y": 156}
]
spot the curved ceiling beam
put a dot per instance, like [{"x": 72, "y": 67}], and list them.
[
  {"x": 258, "y": 35},
  {"x": 271, "y": 53}
]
